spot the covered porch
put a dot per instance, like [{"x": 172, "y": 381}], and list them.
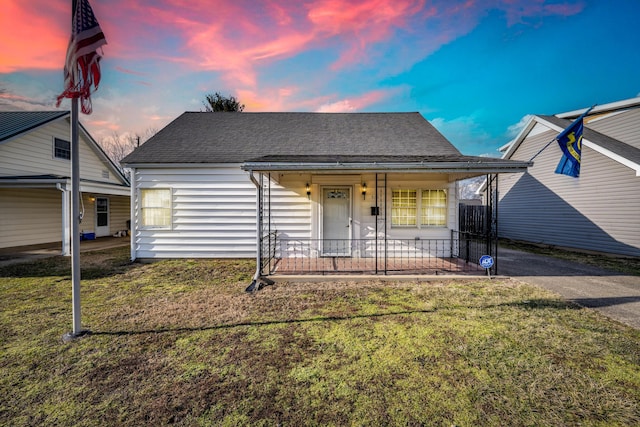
[
  {"x": 391, "y": 215},
  {"x": 37, "y": 210}
]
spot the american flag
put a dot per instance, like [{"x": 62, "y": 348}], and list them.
[{"x": 82, "y": 65}]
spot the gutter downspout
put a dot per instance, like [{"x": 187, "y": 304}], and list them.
[{"x": 258, "y": 280}]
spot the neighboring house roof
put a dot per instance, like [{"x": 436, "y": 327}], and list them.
[
  {"x": 265, "y": 139},
  {"x": 604, "y": 112},
  {"x": 612, "y": 145},
  {"x": 599, "y": 109},
  {"x": 24, "y": 180},
  {"x": 615, "y": 149},
  {"x": 14, "y": 123}
]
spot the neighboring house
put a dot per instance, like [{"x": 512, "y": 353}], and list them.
[
  {"x": 331, "y": 185},
  {"x": 35, "y": 182},
  {"x": 599, "y": 210}
]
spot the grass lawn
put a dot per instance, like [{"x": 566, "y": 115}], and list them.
[{"x": 181, "y": 343}]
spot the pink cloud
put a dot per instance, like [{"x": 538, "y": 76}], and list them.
[
  {"x": 360, "y": 24},
  {"x": 100, "y": 123},
  {"x": 33, "y": 36},
  {"x": 355, "y": 104},
  {"x": 14, "y": 97},
  {"x": 288, "y": 98},
  {"x": 10, "y": 100},
  {"x": 268, "y": 99},
  {"x": 237, "y": 39}
]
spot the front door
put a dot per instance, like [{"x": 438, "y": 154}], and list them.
[
  {"x": 102, "y": 216},
  {"x": 336, "y": 221}
]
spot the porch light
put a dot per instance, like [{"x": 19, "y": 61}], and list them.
[
  {"x": 308, "y": 191},
  {"x": 364, "y": 190}
]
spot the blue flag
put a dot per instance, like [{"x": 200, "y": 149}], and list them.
[{"x": 570, "y": 141}]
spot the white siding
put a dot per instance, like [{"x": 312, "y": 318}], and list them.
[
  {"x": 32, "y": 154},
  {"x": 290, "y": 207},
  {"x": 214, "y": 213},
  {"x": 597, "y": 211},
  {"x": 34, "y": 216},
  {"x": 30, "y": 217},
  {"x": 119, "y": 213}
]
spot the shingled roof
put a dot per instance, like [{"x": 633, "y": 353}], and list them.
[
  {"x": 613, "y": 145},
  {"x": 311, "y": 141},
  {"x": 237, "y": 137}
]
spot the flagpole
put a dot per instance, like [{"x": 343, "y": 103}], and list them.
[
  {"x": 543, "y": 148},
  {"x": 556, "y": 138},
  {"x": 75, "y": 219},
  {"x": 81, "y": 71}
]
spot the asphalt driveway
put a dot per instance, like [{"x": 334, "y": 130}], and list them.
[{"x": 614, "y": 294}]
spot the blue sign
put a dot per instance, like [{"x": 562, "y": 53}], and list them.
[{"x": 486, "y": 261}]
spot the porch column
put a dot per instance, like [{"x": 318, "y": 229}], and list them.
[
  {"x": 133, "y": 217},
  {"x": 66, "y": 226}
]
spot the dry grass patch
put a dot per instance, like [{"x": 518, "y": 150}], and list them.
[{"x": 181, "y": 343}]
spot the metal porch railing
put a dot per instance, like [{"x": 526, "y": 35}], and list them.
[{"x": 456, "y": 255}]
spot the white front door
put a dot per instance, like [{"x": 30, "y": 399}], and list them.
[
  {"x": 336, "y": 221},
  {"x": 102, "y": 217}
]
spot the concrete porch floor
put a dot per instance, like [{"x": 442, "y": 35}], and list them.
[
  {"x": 347, "y": 265},
  {"x": 19, "y": 254}
]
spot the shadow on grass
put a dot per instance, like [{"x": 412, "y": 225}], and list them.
[
  {"x": 541, "y": 304},
  {"x": 578, "y": 302},
  {"x": 265, "y": 323},
  {"x": 59, "y": 266},
  {"x": 605, "y": 302},
  {"x": 532, "y": 304}
]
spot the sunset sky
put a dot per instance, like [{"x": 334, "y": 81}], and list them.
[{"x": 473, "y": 68}]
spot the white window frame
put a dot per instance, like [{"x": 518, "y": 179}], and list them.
[
  {"x": 144, "y": 226},
  {"x": 55, "y": 139},
  {"x": 422, "y": 213},
  {"x": 418, "y": 218}
]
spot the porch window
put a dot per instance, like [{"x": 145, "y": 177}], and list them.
[
  {"x": 404, "y": 210},
  {"x": 61, "y": 149},
  {"x": 434, "y": 208},
  {"x": 415, "y": 208},
  {"x": 155, "y": 207}
]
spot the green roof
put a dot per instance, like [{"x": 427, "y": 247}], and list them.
[{"x": 14, "y": 123}]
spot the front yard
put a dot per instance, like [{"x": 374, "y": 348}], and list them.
[{"x": 180, "y": 342}]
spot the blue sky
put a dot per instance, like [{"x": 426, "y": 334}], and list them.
[{"x": 474, "y": 68}]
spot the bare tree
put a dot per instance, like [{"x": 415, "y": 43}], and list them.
[{"x": 118, "y": 146}]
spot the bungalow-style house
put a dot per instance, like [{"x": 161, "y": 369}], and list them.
[
  {"x": 598, "y": 211},
  {"x": 35, "y": 182},
  {"x": 302, "y": 191}
]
